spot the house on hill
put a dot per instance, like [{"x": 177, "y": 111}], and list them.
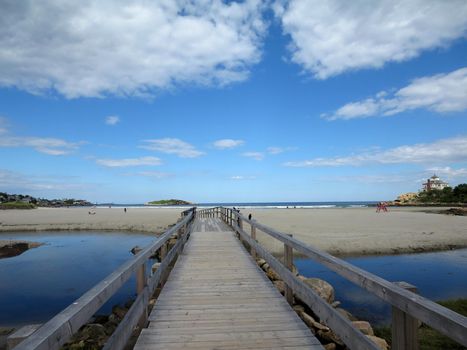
[{"x": 434, "y": 183}]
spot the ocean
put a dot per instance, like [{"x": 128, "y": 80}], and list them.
[{"x": 258, "y": 205}]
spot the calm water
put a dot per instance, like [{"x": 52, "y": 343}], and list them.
[
  {"x": 39, "y": 283},
  {"x": 438, "y": 276}
]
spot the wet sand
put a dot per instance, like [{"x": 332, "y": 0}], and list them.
[{"x": 348, "y": 231}]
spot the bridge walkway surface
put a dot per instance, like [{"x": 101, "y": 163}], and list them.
[{"x": 216, "y": 297}]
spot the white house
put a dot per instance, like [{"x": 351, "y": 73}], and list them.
[{"x": 434, "y": 183}]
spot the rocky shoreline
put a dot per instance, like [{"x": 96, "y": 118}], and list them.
[{"x": 325, "y": 335}]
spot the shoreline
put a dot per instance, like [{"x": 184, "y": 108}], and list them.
[{"x": 343, "y": 232}]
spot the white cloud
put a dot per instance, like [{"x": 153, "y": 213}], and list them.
[
  {"x": 241, "y": 177},
  {"x": 442, "y": 151},
  {"x": 127, "y": 162},
  {"x": 94, "y": 48},
  {"x": 172, "y": 146},
  {"x": 279, "y": 150},
  {"x": 448, "y": 171},
  {"x": 3, "y": 125},
  {"x": 228, "y": 143},
  {"x": 254, "y": 155},
  {"x": 13, "y": 182},
  {"x": 112, "y": 120},
  {"x": 51, "y": 146},
  {"x": 334, "y": 36},
  {"x": 440, "y": 93}
]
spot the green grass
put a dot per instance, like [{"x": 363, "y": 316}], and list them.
[
  {"x": 17, "y": 205},
  {"x": 429, "y": 338}
]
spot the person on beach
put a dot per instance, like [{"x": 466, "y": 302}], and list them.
[
  {"x": 249, "y": 216},
  {"x": 124, "y": 209}
]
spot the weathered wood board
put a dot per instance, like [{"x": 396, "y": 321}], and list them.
[{"x": 217, "y": 298}]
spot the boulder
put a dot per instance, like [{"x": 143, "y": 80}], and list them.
[
  {"x": 280, "y": 285},
  {"x": 265, "y": 267},
  {"x": 381, "y": 343},
  {"x": 322, "y": 288},
  {"x": 330, "y": 337},
  {"x": 135, "y": 250},
  {"x": 155, "y": 266},
  {"x": 119, "y": 311},
  {"x": 346, "y": 314},
  {"x": 311, "y": 323},
  {"x": 272, "y": 275},
  {"x": 260, "y": 262},
  {"x": 364, "y": 327}
]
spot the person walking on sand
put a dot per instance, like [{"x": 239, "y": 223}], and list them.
[
  {"x": 249, "y": 216},
  {"x": 124, "y": 210}
]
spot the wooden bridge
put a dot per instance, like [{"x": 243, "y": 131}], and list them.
[{"x": 214, "y": 296}]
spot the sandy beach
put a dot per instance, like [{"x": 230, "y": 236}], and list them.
[
  {"x": 113, "y": 219},
  {"x": 351, "y": 231}
]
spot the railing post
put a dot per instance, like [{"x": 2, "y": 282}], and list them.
[
  {"x": 404, "y": 327},
  {"x": 288, "y": 263},
  {"x": 141, "y": 282},
  {"x": 253, "y": 236}
]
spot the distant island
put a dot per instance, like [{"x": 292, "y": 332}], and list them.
[
  {"x": 21, "y": 201},
  {"x": 167, "y": 202}
]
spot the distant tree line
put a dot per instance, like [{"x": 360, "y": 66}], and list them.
[{"x": 457, "y": 194}]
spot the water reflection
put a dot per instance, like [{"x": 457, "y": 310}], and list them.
[
  {"x": 438, "y": 276},
  {"x": 39, "y": 283}
]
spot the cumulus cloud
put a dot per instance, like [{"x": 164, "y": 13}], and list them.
[
  {"x": 254, "y": 155},
  {"x": 172, "y": 146},
  {"x": 440, "y": 93},
  {"x": 228, "y": 143},
  {"x": 94, "y": 48},
  {"x": 334, "y": 36},
  {"x": 112, "y": 120},
  {"x": 128, "y": 162},
  {"x": 278, "y": 150},
  {"x": 441, "y": 151}
]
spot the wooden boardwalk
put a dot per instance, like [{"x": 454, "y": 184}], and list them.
[{"x": 216, "y": 297}]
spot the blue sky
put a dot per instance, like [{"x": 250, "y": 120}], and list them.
[{"x": 212, "y": 101}]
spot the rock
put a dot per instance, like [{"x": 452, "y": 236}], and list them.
[
  {"x": 336, "y": 304},
  {"x": 298, "y": 308},
  {"x": 119, "y": 311},
  {"x": 382, "y": 344},
  {"x": 280, "y": 285},
  {"x": 265, "y": 267},
  {"x": 311, "y": 323},
  {"x": 346, "y": 314},
  {"x": 330, "y": 346},
  {"x": 272, "y": 275},
  {"x": 364, "y": 327},
  {"x": 322, "y": 288},
  {"x": 135, "y": 250},
  {"x": 260, "y": 262},
  {"x": 155, "y": 267},
  {"x": 330, "y": 337}
]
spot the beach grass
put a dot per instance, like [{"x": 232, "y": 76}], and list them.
[
  {"x": 17, "y": 205},
  {"x": 431, "y": 339}
]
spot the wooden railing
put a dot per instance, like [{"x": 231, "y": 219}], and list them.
[
  {"x": 408, "y": 307},
  {"x": 57, "y": 331}
]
